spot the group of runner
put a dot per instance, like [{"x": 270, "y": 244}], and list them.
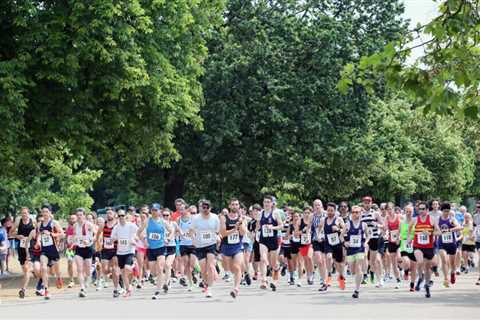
[{"x": 158, "y": 246}]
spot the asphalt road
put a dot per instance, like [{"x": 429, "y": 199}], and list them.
[{"x": 461, "y": 301}]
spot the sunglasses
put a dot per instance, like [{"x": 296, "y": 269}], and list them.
[
  {"x": 121, "y": 216},
  {"x": 166, "y": 215},
  {"x": 343, "y": 206},
  {"x": 422, "y": 208},
  {"x": 205, "y": 207}
]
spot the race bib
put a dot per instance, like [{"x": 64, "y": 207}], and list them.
[
  {"x": 123, "y": 244},
  {"x": 394, "y": 235},
  {"x": 423, "y": 238},
  {"x": 108, "y": 243},
  {"x": 477, "y": 231},
  {"x": 305, "y": 238},
  {"x": 206, "y": 236},
  {"x": 447, "y": 237},
  {"x": 408, "y": 246},
  {"x": 233, "y": 238},
  {"x": 266, "y": 231},
  {"x": 286, "y": 241},
  {"x": 47, "y": 240},
  {"x": 185, "y": 236},
  {"x": 355, "y": 241},
  {"x": 295, "y": 239},
  {"x": 333, "y": 239},
  {"x": 321, "y": 235},
  {"x": 154, "y": 236},
  {"x": 23, "y": 243},
  {"x": 70, "y": 239}
]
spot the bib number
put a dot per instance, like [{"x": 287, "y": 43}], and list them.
[
  {"x": 408, "y": 246},
  {"x": 394, "y": 235},
  {"x": 305, "y": 238},
  {"x": 205, "y": 236},
  {"x": 447, "y": 237},
  {"x": 23, "y": 243},
  {"x": 108, "y": 243},
  {"x": 321, "y": 235},
  {"x": 333, "y": 239},
  {"x": 47, "y": 240},
  {"x": 123, "y": 244},
  {"x": 267, "y": 233},
  {"x": 233, "y": 238},
  {"x": 423, "y": 238},
  {"x": 154, "y": 236},
  {"x": 355, "y": 241}
]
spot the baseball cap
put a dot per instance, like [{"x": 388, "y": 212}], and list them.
[{"x": 156, "y": 206}]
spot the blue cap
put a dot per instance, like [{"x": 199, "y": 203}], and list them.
[{"x": 156, "y": 206}]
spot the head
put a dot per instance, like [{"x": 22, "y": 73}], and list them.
[
  {"x": 80, "y": 212},
  {"x": 307, "y": 211},
  {"x": 477, "y": 207},
  {"x": 144, "y": 209},
  {"x": 193, "y": 209},
  {"x": 122, "y": 216},
  {"x": 46, "y": 212},
  {"x": 435, "y": 205},
  {"x": 90, "y": 218},
  {"x": 409, "y": 211},
  {"x": 445, "y": 208},
  {"x": 166, "y": 214},
  {"x": 422, "y": 208},
  {"x": 390, "y": 208},
  {"x": 331, "y": 208},
  {"x": 234, "y": 205},
  {"x": 205, "y": 207},
  {"x": 463, "y": 209},
  {"x": 267, "y": 203},
  {"x": 343, "y": 207},
  {"x": 317, "y": 206},
  {"x": 224, "y": 211},
  {"x": 367, "y": 203},
  {"x": 356, "y": 212},
  {"x": 155, "y": 210},
  {"x": 180, "y": 205},
  {"x": 468, "y": 218},
  {"x": 110, "y": 214},
  {"x": 25, "y": 212},
  {"x": 72, "y": 219},
  {"x": 131, "y": 210}
]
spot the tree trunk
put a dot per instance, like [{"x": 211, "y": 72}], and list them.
[{"x": 174, "y": 188}]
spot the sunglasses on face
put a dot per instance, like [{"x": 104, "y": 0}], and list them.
[
  {"x": 121, "y": 216},
  {"x": 422, "y": 208},
  {"x": 166, "y": 215},
  {"x": 205, "y": 207}
]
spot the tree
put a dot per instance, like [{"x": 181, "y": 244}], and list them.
[{"x": 446, "y": 78}]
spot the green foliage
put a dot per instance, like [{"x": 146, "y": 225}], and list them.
[{"x": 446, "y": 78}]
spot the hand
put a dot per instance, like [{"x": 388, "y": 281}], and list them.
[
  {"x": 335, "y": 228},
  {"x": 346, "y": 244}
]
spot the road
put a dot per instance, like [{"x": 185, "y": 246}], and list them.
[{"x": 461, "y": 301}]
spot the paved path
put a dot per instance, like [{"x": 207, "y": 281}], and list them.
[{"x": 462, "y": 301}]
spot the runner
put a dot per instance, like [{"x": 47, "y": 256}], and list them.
[
  {"x": 232, "y": 230},
  {"x": 476, "y": 225},
  {"x": 34, "y": 250},
  {"x": 83, "y": 236},
  {"x": 125, "y": 233},
  {"x": 50, "y": 232},
  {"x": 23, "y": 226},
  {"x": 409, "y": 263},
  {"x": 269, "y": 223},
  {"x": 423, "y": 243},
  {"x": 156, "y": 229},
  {"x": 109, "y": 250},
  {"x": 318, "y": 242},
  {"x": 294, "y": 235},
  {"x": 70, "y": 250},
  {"x": 247, "y": 243},
  {"x": 393, "y": 228},
  {"x": 468, "y": 244},
  {"x": 448, "y": 226},
  {"x": 171, "y": 247},
  {"x": 187, "y": 250},
  {"x": 206, "y": 227},
  {"x": 306, "y": 251},
  {"x": 374, "y": 222},
  {"x": 141, "y": 247},
  {"x": 356, "y": 235},
  {"x": 334, "y": 229}
]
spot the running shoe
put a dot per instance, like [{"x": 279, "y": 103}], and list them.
[
  {"x": 427, "y": 291},
  {"x": 355, "y": 294},
  {"x": 127, "y": 293},
  {"x": 116, "y": 294},
  {"x": 453, "y": 278},
  {"x": 156, "y": 295},
  {"x": 71, "y": 284},
  {"x": 165, "y": 288},
  {"x": 248, "y": 280},
  {"x": 234, "y": 293},
  {"x": 341, "y": 282},
  {"x": 46, "y": 295},
  {"x": 59, "y": 283},
  {"x": 273, "y": 286},
  {"x": 21, "y": 294},
  {"x": 82, "y": 293}
]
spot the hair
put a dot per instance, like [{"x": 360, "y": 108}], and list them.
[
  {"x": 308, "y": 208},
  {"x": 356, "y": 207},
  {"x": 80, "y": 210},
  {"x": 46, "y": 206},
  {"x": 233, "y": 200},
  {"x": 422, "y": 203},
  {"x": 180, "y": 200},
  {"x": 256, "y": 206},
  {"x": 445, "y": 206},
  {"x": 165, "y": 210},
  {"x": 332, "y": 204},
  {"x": 268, "y": 197}
]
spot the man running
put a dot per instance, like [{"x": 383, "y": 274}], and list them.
[
  {"x": 269, "y": 223},
  {"x": 70, "y": 250},
  {"x": 409, "y": 263},
  {"x": 356, "y": 235},
  {"x": 374, "y": 222},
  {"x": 232, "y": 230},
  {"x": 125, "y": 233},
  {"x": 187, "y": 250},
  {"x": 206, "y": 227},
  {"x": 50, "y": 232},
  {"x": 318, "y": 242},
  {"x": 393, "y": 231},
  {"x": 23, "y": 226},
  {"x": 423, "y": 243},
  {"x": 84, "y": 235}
]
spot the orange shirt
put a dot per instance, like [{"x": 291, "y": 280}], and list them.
[{"x": 176, "y": 215}]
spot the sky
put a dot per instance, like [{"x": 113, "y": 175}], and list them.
[{"x": 420, "y": 11}]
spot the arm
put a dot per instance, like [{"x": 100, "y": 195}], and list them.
[
  {"x": 14, "y": 230},
  {"x": 279, "y": 222},
  {"x": 171, "y": 235},
  {"x": 456, "y": 226},
  {"x": 57, "y": 231},
  {"x": 411, "y": 227}
]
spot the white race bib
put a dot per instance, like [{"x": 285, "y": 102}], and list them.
[
  {"x": 123, "y": 244},
  {"x": 205, "y": 236},
  {"x": 333, "y": 239},
  {"x": 154, "y": 236},
  {"x": 47, "y": 240},
  {"x": 233, "y": 238},
  {"x": 295, "y": 239},
  {"x": 447, "y": 237},
  {"x": 266, "y": 231},
  {"x": 355, "y": 241},
  {"x": 185, "y": 236},
  {"x": 108, "y": 243},
  {"x": 286, "y": 241},
  {"x": 408, "y": 246},
  {"x": 305, "y": 238},
  {"x": 423, "y": 238},
  {"x": 394, "y": 235},
  {"x": 23, "y": 243}
]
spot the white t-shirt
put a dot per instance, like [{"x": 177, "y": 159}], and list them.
[
  {"x": 124, "y": 236},
  {"x": 206, "y": 230}
]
